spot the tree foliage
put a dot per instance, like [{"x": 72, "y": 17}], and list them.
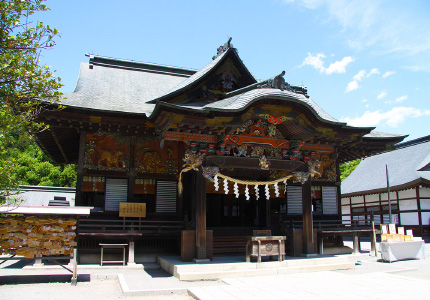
[
  {"x": 33, "y": 167},
  {"x": 347, "y": 168},
  {"x": 23, "y": 81}
]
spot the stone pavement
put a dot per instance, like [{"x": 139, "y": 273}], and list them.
[{"x": 371, "y": 279}]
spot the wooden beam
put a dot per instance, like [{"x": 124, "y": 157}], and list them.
[
  {"x": 252, "y": 163},
  {"x": 57, "y": 142}
]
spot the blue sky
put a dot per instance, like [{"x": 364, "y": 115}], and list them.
[{"x": 365, "y": 62}]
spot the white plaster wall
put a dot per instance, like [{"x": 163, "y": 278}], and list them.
[
  {"x": 357, "y": 200},
  {"x": 372, "y": 198},
  {"x": 408, "y": 204},
  {"x": 384, "y": 196},
  {"x": 425, "y": 217},
  {"x": 344, "y": 201},
  {"x": 346, "y": 210},
  {"x": 409, "y": 218},
  {"x": 425, "y": 203},
  {"x": 424, "y": 192},
  {"x": 411, "y": 193}
]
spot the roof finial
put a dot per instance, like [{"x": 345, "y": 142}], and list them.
[{"x": 223, "y": 48}]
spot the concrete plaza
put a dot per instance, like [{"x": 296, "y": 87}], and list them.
[{"x": 371, "y": 279}]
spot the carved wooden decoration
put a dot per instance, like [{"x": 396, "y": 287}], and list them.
[
  {"x": 152, "y": 159},
  {"x": 108, "y": 152}
]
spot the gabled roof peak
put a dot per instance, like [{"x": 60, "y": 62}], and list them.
[{"x": 223, "y": 48}]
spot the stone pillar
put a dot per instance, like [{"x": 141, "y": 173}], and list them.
[{"x": 131, "y": 254}]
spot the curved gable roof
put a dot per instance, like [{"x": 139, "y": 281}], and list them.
[{"x": 201, "y": 74}]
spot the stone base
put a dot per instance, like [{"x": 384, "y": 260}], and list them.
[
  {"x": 201, "y": 260},
  {"x": 308, "y": 255}
]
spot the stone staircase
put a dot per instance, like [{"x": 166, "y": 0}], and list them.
[{"x": 225, "y": 267}]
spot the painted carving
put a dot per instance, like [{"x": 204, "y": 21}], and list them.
[
  {"x": 107, "y": 152},
  {"x": 327, "y": 167},
  {"x": 192, "y": 159},
  {"x": 315, "y": 168},
  {"x": 150, "y": 158},
  {"x": 264, "y": 163}
]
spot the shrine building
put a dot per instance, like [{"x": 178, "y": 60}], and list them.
[{"x": 214, "y": 152}]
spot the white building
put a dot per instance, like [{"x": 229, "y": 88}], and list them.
[{"x": 365, "y": 190}]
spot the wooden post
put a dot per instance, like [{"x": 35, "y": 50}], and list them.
[
  {"x": 79, "y": 170},
  {"x": 308, "y": 239},
  {"x": 201, "y": 250}
]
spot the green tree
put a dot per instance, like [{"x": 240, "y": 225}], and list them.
[
  {"x": 23, "y": 80},
  {"x": 347, "y": 168}
]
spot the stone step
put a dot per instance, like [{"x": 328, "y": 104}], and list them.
[
  {"x": 220, "y": 267},
  {"x": 263, "y": 271}
]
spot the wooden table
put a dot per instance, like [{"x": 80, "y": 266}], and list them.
[
  {"x": 265, "y": 246},
  {"x": 113, "y": 246}
]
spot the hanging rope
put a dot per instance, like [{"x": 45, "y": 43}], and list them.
[
  {"x": 239, "y": 181},
  {"x": 180, "y": 186},
  {"x": 249, "y": 182}
]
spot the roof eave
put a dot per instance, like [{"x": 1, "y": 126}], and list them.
[{"x": 403, "y": 186}]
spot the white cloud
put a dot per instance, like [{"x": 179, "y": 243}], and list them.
[
  {"x": 382, "y": 95},
  {"x": 317, "y": 62},
  {"x": 353, "y": 85},
  {"x": 360, "y": 75},
  {"x": 401, "y": 98},
  {"x": 364, "y": 100},
  {"x": 374, "y": 71},
  {"x": 388, "y": 73},
  {"x": 392, "y": 118},
  {"x": 339, "y": 66}
]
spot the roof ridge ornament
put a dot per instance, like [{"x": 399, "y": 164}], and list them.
[
  {"x": 223, "y": 48},
  {"x": 277, "y": 82}
]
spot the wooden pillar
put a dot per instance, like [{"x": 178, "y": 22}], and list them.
[
  {"x": 201, "y": 250},
  {"x": 131, "y": 174},
  {"x": 420, "y": 219},
  {"x": 80, "y": 170},
  {"x": 308, "y": 239}
]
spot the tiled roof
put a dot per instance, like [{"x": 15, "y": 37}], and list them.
[
  {"x": 405, "y": 166},
  {"x": 121, "y": 87},
  {"x": 240, "y": 101},
  {"x": 379, "y": 135}
]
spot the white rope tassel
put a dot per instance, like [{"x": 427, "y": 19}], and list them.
[
  {"x": 216, "y": 183},
  {"x": 285, "y": 185},
  {"x": 247, "y": 193},
  {"x": 225, "y": 186},
  {"x": 276, "y": 190},
  {"x": 267, "y": 192},
  {"x": 257, "y": 193},
  {"x": 236, "y": 190}
]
